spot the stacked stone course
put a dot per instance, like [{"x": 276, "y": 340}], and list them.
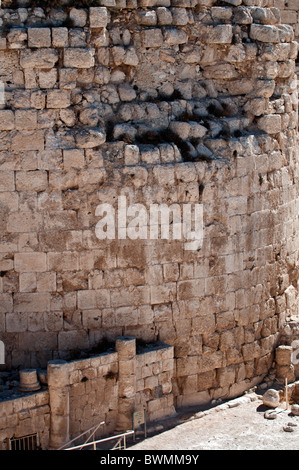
[{"x": 164, "y": 102}]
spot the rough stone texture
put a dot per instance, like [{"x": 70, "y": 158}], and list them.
[
  {"x": 105, "y": 388},
  {"x": 271, "y": 398},
  {"x": 170, "y": 103}
]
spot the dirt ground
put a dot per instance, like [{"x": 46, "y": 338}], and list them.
[{"x": 236, "y": 425}]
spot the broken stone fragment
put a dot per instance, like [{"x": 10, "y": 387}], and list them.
[
  {"x": 269, "y": 414},
  {"x": 271, "y": 398}
]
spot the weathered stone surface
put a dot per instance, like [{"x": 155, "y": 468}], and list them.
[
  {"x": 162, "y": 103},
  {"x": 90, "y": 138},
  {"x": 271, "y": 398},
  {"x": 79, "y": 58},
  {"x": 43, "y": 58}
]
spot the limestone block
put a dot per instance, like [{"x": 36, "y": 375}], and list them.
[
  {"x": 66, "y": 261},
  {"x": 242, "y": 15},
  {"x": 174, "y": 36},
  {"x": 98, "y": 17},
  {"x": 73, "y": 159},
  {"x": 79, "y": 17},
  {"x": 39, "y": 37},
  {"x": 16, "y": 38},
  {"x": 164, "y": 16},
  {"x": 90, "y": 138},
  {"x": 264, "y": 33},
  {"x": 283, "y": 355},
  {"x": 197, "y": 131},
  {"x": 271, "y": 398},
  {"x": 221, "y": 72},
  {"x": 179, "y": 16},
  {"x": 152, "y": 38},
  {"x": 270, "y": 123},
  {"x": 191, "y": 289},
  {"x": 149, "y": 154},
  {"x": 234, "y": 2},
  {"x": 58, "y": 99},
  {"x": 131, "y": 155},
  {"x": 60, "y": 37},
  {"x": 126, "y": 347},
  {"x": 30, "y": 262},
  {"x": 221, "y": 13},
  {"x": 126, "y": 92},
  {"x": 182, "y": 129},
  {"x": 31, "y": 302},
  {"x": 226, "y": 376},
  {"x": 166, "y": 153},
  {"x": 28, "y": 140},
  {"x": 44, "y": 58},
  {"x": 6, "y": 120},
  {"x": 79, "y": 58},
  {"x": 47, "y": 79},
  {"x": 220, "y": 34},
  {"x": 25, "y": 119},
  {"x": 146, "y": 18}
]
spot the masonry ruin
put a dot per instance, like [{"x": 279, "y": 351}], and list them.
[{"x": 163, "y": 102}]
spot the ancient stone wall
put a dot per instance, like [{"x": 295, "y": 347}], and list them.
[
  {"x": 162, "y": 102},
  {"x": 289, "y": 11},
  {"x": 104, "y": 389}
]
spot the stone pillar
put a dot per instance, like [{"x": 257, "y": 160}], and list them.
[
  {"x": 58, "y": 383},
  {"x": 126, "y": 348}
]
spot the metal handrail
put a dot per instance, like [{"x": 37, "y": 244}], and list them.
[
  {"x": 92, "y": 431},
  {"x": 120, "y": 436}
]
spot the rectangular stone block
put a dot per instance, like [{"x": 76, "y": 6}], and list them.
[
  {"x": 73, "y": 159},
  {"x": 6, "y": 303},
  {"x": 7, "y": 119},
  {"x": 79, "y": 58},
  {"x": 60, "y": 37},
  {"x": 271, "y": 123},
  {"x": 98, "y": 17},
  {"x": 30, "y": 262},
  {"x": 65, "y": 261},
  {"x": 7, "y": 181},
  {"x": 25, "y": 119},
  {"x": 264, "y": 33},
  {"x": 31, "y": 302},
  {"x": 58, "y": 99},
  {"x": 43, "y": 58},
  {"x": 220, "y": 34},
  {"x": 191, "y": 289},
  {"x": 152, "y": 38},
  {"x": 36, "y": 180},
  {"x": 29, "y": 140},
  {"x": 39, "y": 37},
  {"x": 24, "y": 222}
]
